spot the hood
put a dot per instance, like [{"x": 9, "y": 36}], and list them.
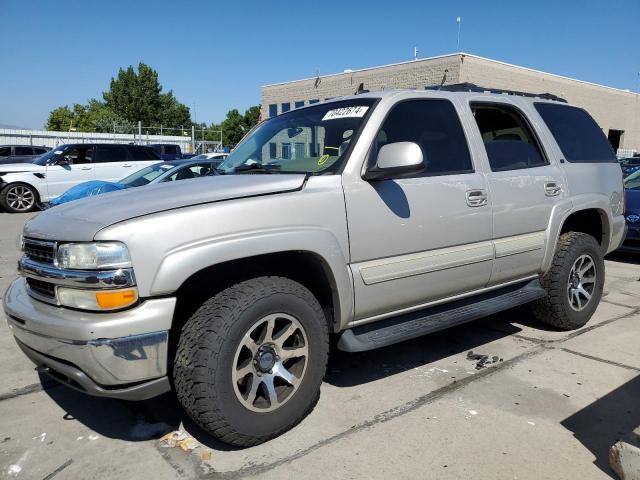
[
  {"x": 13, "y": 160},
  {"x": 632, "y": 201},
  {"x": 21, "y": 167},
  {"x": 80, "y": 221}
]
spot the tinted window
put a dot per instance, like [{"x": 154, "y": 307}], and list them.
[
  {"x": 39, "y": 151},
  {"x": 112, "y": 154},
  {"x": 79, "y": 155},
  {"x": 434, "y": 125},
  {"x": 24, "y": 151},
  {"x": 576, "y": 133},
  {"x": 170, "y": 150},
  {"x": 509, "y": 141},
  {"x": 5, "y": 151},
  {"x": 193, "y": 171},
  {"x": 273, "y": 110},
  {"x": 142, "y": 153}
]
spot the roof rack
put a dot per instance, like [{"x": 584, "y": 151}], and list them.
[{"x": 472, "y": 87}]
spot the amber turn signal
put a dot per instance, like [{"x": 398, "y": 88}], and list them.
[{"x": 116, "y": 298}]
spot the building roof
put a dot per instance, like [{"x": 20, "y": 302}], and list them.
[{"x": 450, "y": 55}]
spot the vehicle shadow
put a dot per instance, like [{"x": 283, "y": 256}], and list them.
[
  {"x": 624, "y": 257},
  {"x": 151, "y": 419},
  {"x": 602, "y": 423}
]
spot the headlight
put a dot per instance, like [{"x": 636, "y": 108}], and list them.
[
  {"x": 93, "y": 256},
  {"x": 97, "y": 299}
]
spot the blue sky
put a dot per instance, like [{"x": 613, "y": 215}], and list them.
[{"x": 218, "y": 54}]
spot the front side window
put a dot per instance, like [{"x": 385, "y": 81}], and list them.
[
  {"x": 39, "y": 151},
  {"x": 577, "y": 134},
  {"x": 434, "y": 125},
  {"x": 193, "y": 171},
  {"x": 328, "y": 130},
  {"x": 21, "y": 151},
  {"x": 79, "y": 155},
  {"x": 170, "y": 150},
  {"x": 5, "y": 151},
  {"x": 146, "y": 175},
  {"x": 509, "y": 141}
]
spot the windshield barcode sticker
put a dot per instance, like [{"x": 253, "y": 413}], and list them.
[{"x": 345, "y": 112}]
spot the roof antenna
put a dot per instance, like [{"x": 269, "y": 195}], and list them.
[{"x": 361, "y": 89}]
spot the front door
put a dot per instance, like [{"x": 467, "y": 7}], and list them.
[
  {"x": 419, "y": 239},
  {"x": 78, "y": 169},
  {"x": 523, "y": 186}
]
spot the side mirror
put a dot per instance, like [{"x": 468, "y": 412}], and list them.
[{"x": 397, "y": 160}]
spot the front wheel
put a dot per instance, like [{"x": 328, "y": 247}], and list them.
[
  {"x": 573, "y": 284},
  {"x": 18, "y": 198},
  {"x": 250, "y": 361}
]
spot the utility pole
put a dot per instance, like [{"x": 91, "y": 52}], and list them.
[
  {"x": 193, "y": 138},
  {"x": 139, "y": 130}
]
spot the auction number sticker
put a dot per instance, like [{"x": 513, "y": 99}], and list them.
[{"x": 345, "y": 112}]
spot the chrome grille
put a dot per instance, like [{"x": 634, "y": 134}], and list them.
[
  {"x": 40, "y": 251},
  {"x": 44, "y": 289}
]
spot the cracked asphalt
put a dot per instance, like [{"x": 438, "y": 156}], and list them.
[{"x": 548, "y": 406}]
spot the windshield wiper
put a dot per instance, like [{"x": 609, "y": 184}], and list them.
[{"x": 258, "y": 167}]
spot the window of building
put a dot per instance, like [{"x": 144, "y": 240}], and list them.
[
  {"x": 507, "y": 137},
  {"x": 273, "y": 110},
  {"x": 286, "y": 151},
  {"x": 315, "y": 100},
  {"x": 286, "y": 107},
  {"x": 273, "y": 152},
  {"x": 298, "y": 150},
  {"x": 577, "y": 134},
  {"x": 434, "y": 125},
  {"x": 299, "y": 103}
]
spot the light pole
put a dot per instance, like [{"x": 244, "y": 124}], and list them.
[{"x": 458, "y": 21}]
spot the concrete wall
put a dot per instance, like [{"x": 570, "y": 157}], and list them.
[{"x": 612, "y": 108}]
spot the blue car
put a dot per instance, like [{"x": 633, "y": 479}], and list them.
[
  {"x": 156, "y": 173},
  {"x": 632, "y": 213},
  {"x": 629, "y": 165}
]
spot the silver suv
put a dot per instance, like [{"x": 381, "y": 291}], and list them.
[{"x": 371, "y": 219}]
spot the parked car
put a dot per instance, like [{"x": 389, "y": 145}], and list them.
[
  {"x": 20, "y": 153},
  {"x": 156, "y": 173},
  {"x": 169, "y": 151},
  {"x": 629, "y": 165},
  {"x": 374, "y": 218},
  {"x": 632, "y": 213},
  {"x": 218, "y": 156},
  {"x": 24, "y": 186}
]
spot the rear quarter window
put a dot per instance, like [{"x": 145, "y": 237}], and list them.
[
  {"x": 142, "y": 153},
  {"x": 578, "y": 135}
]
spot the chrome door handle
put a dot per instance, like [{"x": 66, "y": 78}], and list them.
[
  {"x": 476, "y": 198},
  {"x": 85, "y": 168},
  {"x": 126, "y": 165},
  {"x": 551, "y": 189}
]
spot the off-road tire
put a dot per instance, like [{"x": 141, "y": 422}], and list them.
[
  {"x": 205, "y": 356},
  {"x": 554, "y": 309},
  {"x": 4, "y": 202}
]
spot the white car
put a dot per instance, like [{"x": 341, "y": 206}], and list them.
[{"x": 23, "y": 186}]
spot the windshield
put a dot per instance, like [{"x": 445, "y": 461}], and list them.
[
  {"x": 311, "y": 140},
  {"x": 51, "y": 155},
  {"x": 632, "y": 182},
  {"x": 146, "y": 175}
]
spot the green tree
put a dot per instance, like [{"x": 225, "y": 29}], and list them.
[
  {"x": 59, "y": 119},
  {"x": 173, "y": 113}
]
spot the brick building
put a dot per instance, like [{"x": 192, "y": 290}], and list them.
[{"x": 616, "y": 111}]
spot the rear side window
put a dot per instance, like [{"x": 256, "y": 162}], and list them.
[
  {"x": 24, "y": 151},
  {"x": 5, "y": 151},
  {"x": 40, "y": 151},
  {"x": 112, "y": 154},
  {"x": 170, "y": 150},
  {"x": 434, "y": 125},
  {"x": 142, "y": 153},
  {"x": 507, "y": 137},
  {"x": 577, "y": 134}
]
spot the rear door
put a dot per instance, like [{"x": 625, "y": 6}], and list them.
[
  {"x": 419, "y": 239},
  {"x": 80, "y": 169},
  {"x": 523, "y": 184},
  {"x": 112, "y": 163}
]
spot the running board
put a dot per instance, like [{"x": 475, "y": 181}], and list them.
[{"x": 415, "y": 324}]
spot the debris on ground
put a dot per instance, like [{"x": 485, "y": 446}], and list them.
[
  {"x": 482, "y": 360},
  {"x": 179, "y": 439}
]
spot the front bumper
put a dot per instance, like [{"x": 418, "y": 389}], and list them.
[{"x": 121, "y": 355}]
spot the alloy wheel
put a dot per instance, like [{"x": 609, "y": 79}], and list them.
[
  {"x": 20, "y": 198},
  {"x": 581, "y": 283}
]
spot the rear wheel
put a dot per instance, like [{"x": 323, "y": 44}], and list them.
[
  {"x": 250, "y": 361},
  {"x": 18, "y": 198},
  {"x": 574, "y": 283}
]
